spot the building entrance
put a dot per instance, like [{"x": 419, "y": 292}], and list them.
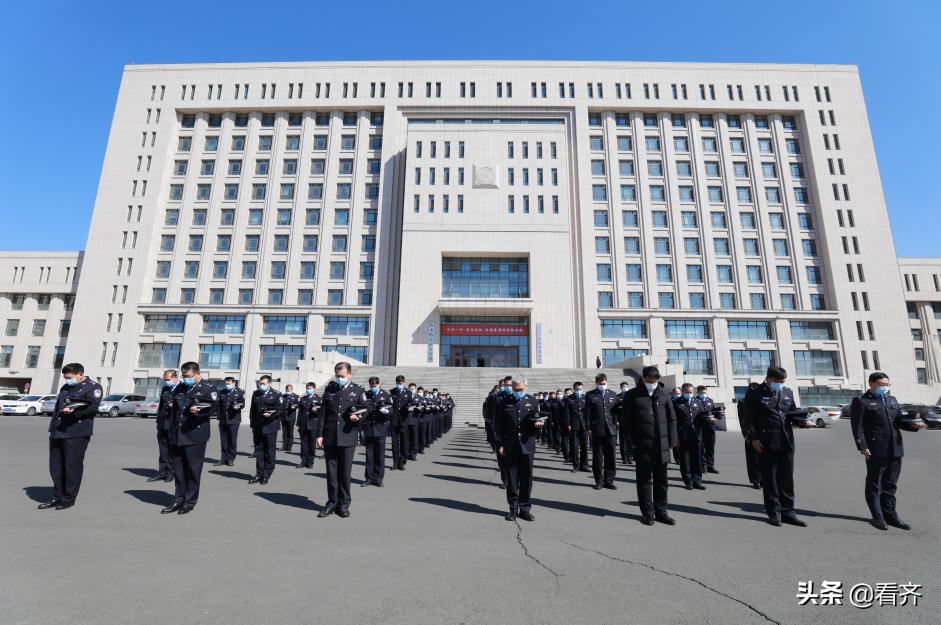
[{"x": 501, "y": 342}]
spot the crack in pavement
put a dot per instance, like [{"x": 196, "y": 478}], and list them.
[
  {"x": 519, "y": 539},
  {"x": 679, "y": 575}
]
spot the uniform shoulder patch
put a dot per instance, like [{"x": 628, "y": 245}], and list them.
[
  {"x": 97, "y": 392},
  {"x": 214, "y": 395}
]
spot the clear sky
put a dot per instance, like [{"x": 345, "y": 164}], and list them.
[{"x": 61, "y": 63}]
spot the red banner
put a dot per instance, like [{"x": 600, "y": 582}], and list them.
[{"x": 482, "y": 329}]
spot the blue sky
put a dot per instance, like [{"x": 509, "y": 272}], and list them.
[{"x": 61, "y": 63}]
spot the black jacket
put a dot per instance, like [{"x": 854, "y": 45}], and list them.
[
  {"x": 165, "y": 407},
  {"x": 399, "y": 415},
  {"x": 514, "y": 421},
  {"x": 651, "y": 423},
  {"x": 765, "y": 416},
  {"x": 289, "y": 403},
  {"x": 81, "y": 421},
  {"x": 189, "y": 428},
  {"x": 338, "y": 403},
  {"x": 375, "y": 421},
  {"x": 876, "y": 425},
  {"x": 577, "y": 412},
  {"x": 689, "y": 419},
  {"x": 308, "y": 412},
  {"x": 230, "y": 406},
  {"x": 602, "y": 412},
  {"x": 265, "y": 412}
]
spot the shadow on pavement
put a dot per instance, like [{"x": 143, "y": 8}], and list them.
[
  {"x": 155, "y": 497},
  {"x": 233, "y": 474},
  {"x": 454, "y": 504},
  {"x": 290, "y": 499},
  {"x": 40, "y": 494},
  {"x": 140, "y": 471}
]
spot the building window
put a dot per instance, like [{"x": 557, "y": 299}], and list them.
[
  {"x": 751, "y": 361},
  {"x": 687, "y": 329},
  {"x": 159, "y": 355},
  {"x": 812, "y": 331},
  {"x": 220, "y": 356},
  {"x": 280, "y": 357},
  {"x": 485, "y": 277},
  {"x": 817, "y": 362},
  {"x": 750, "y": 330},
  {"x": 285, "y": 324},
  {"x": 623, "y": 329},
  {"x": 346, "y": 326},
  {"x": 693, "y": 361}
]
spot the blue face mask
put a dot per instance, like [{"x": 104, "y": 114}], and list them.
[
  {"x": 519, "y": 394},
  {"x": 578, "y": 393},
  {"x": 675, "y": 395},
  {"x": 341, "y": 380},
  {"x": 400, "y": 386},
  {"x": 71, "y": 381},
  {"x": 776, "y": 386},
  {"x": 374, "y": 389},
  {"x": 189, "y": 381},
  {"x": 263, "y": 388},
  {"x": 881, "y": 391},
  {"x": 309, "y": 391},
  {"x": 687, "y": 396},
  {"x": 169, "y": 383},
  {"x": 702, "y": 396},
  {"x": 230, "y": 387},
  {"x": 507, "y": 389}
]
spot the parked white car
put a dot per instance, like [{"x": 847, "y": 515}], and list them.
[
  {"x": 27, "y": 404},
  {"x": 119, "y": 403},
  {"x": 823, "y": 415},
  {"x": 147, "y": 407}
]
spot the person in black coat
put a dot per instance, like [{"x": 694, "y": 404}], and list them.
[
  {"x": 289, "y": 402},
  {"x": 577, "y": 426},
  {"x": 308, "y": 414},
  {"x": 195, "y": 404},
  {"x": 876, "y": 421},
  {"x": 375, "y": 426},
  {"x": 650, "y": 417},
  {"x": 231, "y": 403},
  {"x": 264, "y": 417},
  {"x": 344, "y": 403},
  {"x": 517, "y": 420},
  {"x": 164, "y": 416},
  {"x": 603, "y": 432},
  {"x": 689, "y": 420},
  {"x": 411, "y": 420},
  {"x": 398, "y": 423},
  {"x": 70, "y": 430},
  {"x": 562, "y": 423},
  {"x": 768, "y": 429},
  {"x": 505, "y": 390},
  {"x": 624, "y": 441},
  {"x": 708, "y": 429}
]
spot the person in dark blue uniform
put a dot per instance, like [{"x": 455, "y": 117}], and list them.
[
  {"x": 770, "y": 433},
  {"x": 289, "y": 401},
  {"x": 603, "y": 432},
  {"x": 412, "y": 421},
  {"x": 265, "y": 419},
  {"x": 231, "y": 402},
  {"x": 164, "y": 417},
  {"x": 577, "y": 425},
  {"x": 708, "y": 429},
  {"x": 624, "y": 441},
  {"x": 375, "y": 426},
  {"x": 689, "y": 421},
  {"x": 517, "y": 420},
  {"x": 195, "y": 403},
  {"x": 876, "y": 420},
  {"x": 308, "y": 413},
  {"x": 398, "y": 423},
  {"x": 344, "y": 402},
  {"x": 70, "y": 430}
]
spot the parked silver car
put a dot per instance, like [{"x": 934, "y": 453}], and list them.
[
  {"x": 117, "y": 404},
  {"x": 147, "y": 407},
  {"x": 48, "y": 406}
]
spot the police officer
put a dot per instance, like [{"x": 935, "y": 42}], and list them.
[
  {"x": 195, "y": 403},
  {"x": 421, "y": 410},
  {"x": 563, "y": 421},
  {"x": 876, "y": 420},
  {"x": 289, "y": 401},
  {"x": 337, "y": 433},
  {"x": 398, "y": 419},
  {"x": 578, "y": 428},
  {"x": 603, "y": 432},
  {"x": 769, "y": 432},
  {"x": 708, "y": 429},
  {"x": 70, "y": 429},
  {"x": 265, "y": 418},
  {"x": 624, "y": 441},
  {"x": 164, "y": 416},
  {"x": 689, "y": 418},
  {"x": 506, "y": 390},
  {"x": 375, "y": 429},
  {"x": 308, "y": 413},
  {"x": 517, "y": 421},
  {"x": 751, "y": 456},
  {"x": 231, "y": 402},
  {"x": 412, "y": 421}
]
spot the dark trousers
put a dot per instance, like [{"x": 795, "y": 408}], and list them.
[
  {"x": 708, "y": 448},
  {"x": 652, "y": 488},
  {"x": 228, "y": 439},
  {"x": 519, "y": 484},
  {"x": 691, "y": 460},
  {"x": 578, "y": 449},
  {"x": 602, "y": 458},
  {"x": 339, "y": 466},
  {"x": 375, "y": 459},
  {"x": 287, "y": 433},
  {"x": 187, "y": 471},
  {"x": 625, "y": 446},
  {"x": 751, "y": 463},
  {"x": 414, "y": 441},
  {"x": 400, "y": 446},
  {"x": 502, "y": 465},
  {"x": 266, "y": 453},
  {"x": 308, "y": 447},
  {"x": 66, "y": 463},
  {"x": 777, "y": 481},
  {"x": 882, "y": 478},
  {"x": 565, "y": 442},
  {"x": 164, "y": 464}
]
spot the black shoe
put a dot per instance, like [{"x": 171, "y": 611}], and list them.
[
  {"x": 756, "y": 485},
  {"x": 584, "y": 469},
  {"x": 186, "y": 509},
  {"x": 326, "y": 512},
  {"x": 791, "y": 519},
  {"x": 879, "y": 524},
  {"x": 666, "y": 519},
  {"x": 263, "y": 481},
  {"x": 230, "y": 463},
  {"x": 254, "y": 480},
  {"x": 699, "y": 486},
  {"x": 379, "y": 484},
  {"x": 218, "y": 464},
  {"x": 501, "y": 486},
  {"x": 364, "y": 484},
  {"x": 894, "y": 521},
  {"x": 712, "y": 470},
  {"x": 169, "y": 478},
  {"x": 300, "y": 466},
  {"x": 63, "y": 505},
  {"x": 687, "y": 486},
  {"x": 173, "y": 507},
  {"x": 49, "y": 504},
  {"x": 156, "y": 478},
  {"x": 574, "y": 470},
  {"x": 611, "y": 486},
  {"x": 647, "y": 520},
  {"x": 343, "y": 513},
  {"x": 510, "y": 516},
  {"x": 527, "y": 516},
  {"x": 597, "y": 486},
  {"x": 774, "y": 520},
  {"x": 630, "y": 461}
]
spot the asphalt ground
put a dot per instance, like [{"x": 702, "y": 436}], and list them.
[{"x": 432, "y": 546}]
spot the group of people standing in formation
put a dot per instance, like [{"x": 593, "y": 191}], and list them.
[
  {"x": 648, "y": 425},
  {"x": 337, "y": 420}
]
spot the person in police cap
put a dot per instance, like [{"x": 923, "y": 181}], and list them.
[
  {"x": 289, "y": 402},
  {"x": 231, "y": 402},
  {"x": 650, "y": 416},
  {"x": 517, "y": 420},
  {"x": 375, "y": 427},
  {"x": 769, "y": 431},
  {"x": 624, "y": 441},
  {"x": 70, "y": 430},
  {"x": 164, "y": 417},
  {"x": 689, "y": 418},
  {"x": 603, "y": 432},
  {"x": 876, "y": 419},
  {"x": 577, "y": 427},
  {"x": 708, "y": 429},
  {"x": 344, "y": 403},
  {"x": 196, "y": 403},
  {"x": 398, "y": 424},
  {"x": 265, "y": 419},
  {"x": 308, "y": 413}
]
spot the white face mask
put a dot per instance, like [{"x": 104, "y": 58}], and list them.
[
  {"x": 651, "y": 386},
  {"x": 602, "y": 387}
]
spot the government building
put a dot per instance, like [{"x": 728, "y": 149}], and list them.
[{"x": 716, "y": 218}]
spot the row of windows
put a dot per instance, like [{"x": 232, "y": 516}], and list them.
[
  {"x": 445, "y": 203},
  {"x": 689, "y": 219},
  {"x": 684, "y": 169},
  {"x": 710, "y": 145},
  {"x": 39, "y": 327},
  {"x": 283, "y": 216},
  {"x": 281, "y": 243},
  {"x": 701, "y": 329},
  {"x": 697, "y": 301},
  {"x": 32, "y": 356},
  {"x": 267, "y": 119},
  {"x": 528, "y": 202},
  {"x": 683, "y": 120},
  {"x": 292, "y": 143},
  {"x": 220, "y": 270},
  {"x": 289, "y": 167},
  {"x": 229, "y": 356},
  {"x": 286, "y": 191},
  {"x": 694, "y": 274},
  {"x": 43, "y": 300},
  {"x": 275, "y": 297},
  {"x": 685, "y": 193},
  {"x": 721, "y": 246},
  {"x": 756, "y": 362}
]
